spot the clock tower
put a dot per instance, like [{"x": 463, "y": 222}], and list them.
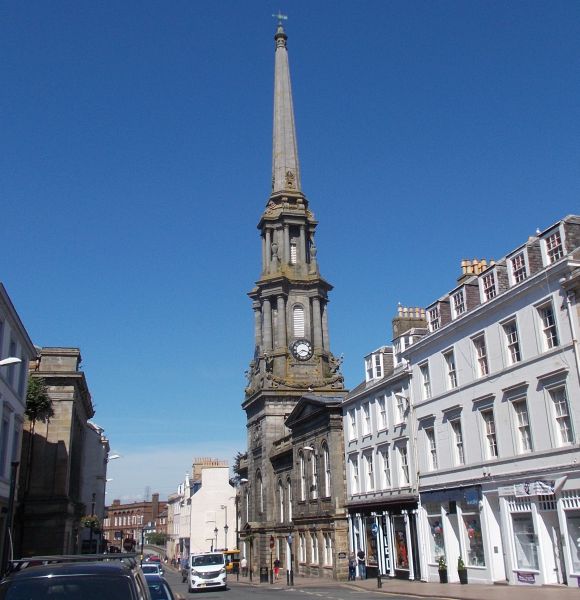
[{"x": 292, "y": 357}]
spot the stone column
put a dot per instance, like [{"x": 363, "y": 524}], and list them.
[
  {"x": 264, "y": 267},
  {"x": 302, "y": 246},
  {"x": 257, "y": 327},
  {"x": 281, "y": 322},
  {"x": 325, "y": 338},
  {"x": 286, "y": 257},
  {"x": 317, "y": 322},
  {"x": 268, "y": 249},
  {"x": 267, "y": 326}
]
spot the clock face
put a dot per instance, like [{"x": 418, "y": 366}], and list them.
[{"x": 302, "y": 349}]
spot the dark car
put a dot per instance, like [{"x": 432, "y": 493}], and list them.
[
  {"x": 159, "y": 588},
  {"x": 93, "y": 580}
]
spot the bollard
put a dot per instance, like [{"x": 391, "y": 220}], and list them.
[{"x": 379, "y": 581}]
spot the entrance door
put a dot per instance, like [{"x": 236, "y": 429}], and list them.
[{"x": 553, "y": 527}]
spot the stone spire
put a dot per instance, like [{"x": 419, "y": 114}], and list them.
[{"x": 285, "y": 166}]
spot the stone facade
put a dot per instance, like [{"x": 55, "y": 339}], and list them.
[{"x": 51, "y": 500}]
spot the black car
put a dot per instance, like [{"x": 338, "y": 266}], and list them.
[
  {"x": 79, "y": 580},
  {"x": 159, "y": 588}
]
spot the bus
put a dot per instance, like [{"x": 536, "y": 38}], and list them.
[{"x": 232, "y": 561}]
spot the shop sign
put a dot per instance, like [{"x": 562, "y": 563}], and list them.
[
  {"x": 342, "y": 555},
  {"x": 534, "y": 488},
  {"x": 526, "y": 577}
]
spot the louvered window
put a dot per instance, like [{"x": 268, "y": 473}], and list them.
[{"x": 298, "y": 319}]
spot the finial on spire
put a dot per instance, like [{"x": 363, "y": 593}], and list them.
[{"x": 280, "y": 17}]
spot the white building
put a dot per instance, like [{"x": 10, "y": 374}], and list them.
[
  {"x": 382, "y": 490},
  {"x": 14, "y": 342},
  {"x": 204, "y": 509},
  {"x": 496, "y": 402}
]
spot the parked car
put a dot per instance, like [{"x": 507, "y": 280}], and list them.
[
  {"x": 159, "y": 588},
  {"x": 152, "y": 568},
  {"x": 71, "y": 578}
]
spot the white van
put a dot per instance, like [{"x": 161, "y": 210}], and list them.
[{"x": 207, "y": 570}]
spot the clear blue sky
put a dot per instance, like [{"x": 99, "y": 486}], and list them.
[{"x": 136, "y": 162}]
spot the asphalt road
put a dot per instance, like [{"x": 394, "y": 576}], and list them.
[{"x": 243, "y": 591}]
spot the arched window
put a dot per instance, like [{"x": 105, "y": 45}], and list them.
[
  {"x": 260, "y": 486},
  {"x": 326, "y": 465},
  {"x": 314, "y": 475},
  {"x": 298, "y": 320},
  {"x": 281, "y": 500},
  {"x": 289, "y": 497},
  {"x": 302, "y": 476}
]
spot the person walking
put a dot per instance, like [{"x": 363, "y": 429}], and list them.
[
  {"x": 352, "y": 567},
  {"x": 362, "y": 565},
  {"x": 276, "y": 569}
]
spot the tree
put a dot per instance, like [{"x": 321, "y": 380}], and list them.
[
  {"x": 235, "y": 480},
  {"x": 38, "y": 403},
  {"x": 38, "y": 408},
  {"x": 156, "y": 538}
]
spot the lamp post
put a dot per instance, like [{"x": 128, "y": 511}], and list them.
[
  {"x": 215, "y": 532},
  {"x": 225, "y": 508},
  {"x": 226, "y": 535}
]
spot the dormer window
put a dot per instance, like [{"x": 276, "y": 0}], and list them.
[
  {"x": 518, "y": 264},
  {"x": 554, "y": 247},
  {"x": 374, "y": 366},
  {"x": 488, "y": 286},
  {"x": 458, "y": 303},
  {"x": 434, "y": 318}
]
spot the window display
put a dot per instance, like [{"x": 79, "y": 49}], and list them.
[
  {"x": 525, "y": 542},
  {"x": 437, "y": 540},
  {"x": 401, "y": 551},
  {"x": 574, "y": 538},
  {"x": 473, "y": 540}
]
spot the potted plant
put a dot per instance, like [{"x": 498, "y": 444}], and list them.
[
  {"x": 442, "y": 565},
  {"x": 461, "y": 571},
  {"x": 90, "y": 521}
]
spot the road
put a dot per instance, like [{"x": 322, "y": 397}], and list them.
[{"x": 243, "y": 591}]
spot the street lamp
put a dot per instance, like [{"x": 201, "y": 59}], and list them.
[
  {"x": 11, "y": 360},
  {"x": 226, "y": 535},
  {"x": 215, "y": 532},
  {"x": 225, "y": 508}
]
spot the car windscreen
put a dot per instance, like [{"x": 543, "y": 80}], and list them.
[
  {"x": 85, "y": 587},
  {"x": 159, "y": 590},
  {"x": 204, "y": 560},
  {"x": 150, "y": 568}
]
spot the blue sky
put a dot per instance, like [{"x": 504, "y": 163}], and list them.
[{"x": 136, "y": 162}]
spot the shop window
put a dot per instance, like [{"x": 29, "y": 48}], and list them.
[
  {"x": 525, "y": 542},
  {"x": 401, "y": 548},
  {"x": 473, "y": 539},
  {"x": 437, "y": 544},
  {"x": 574, "y": 539}
]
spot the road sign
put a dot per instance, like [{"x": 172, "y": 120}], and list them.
[{"x": 374, "y": 529}]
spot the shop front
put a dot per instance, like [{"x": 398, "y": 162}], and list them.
[
  {"x": 388, "y": 536},
  {"x": 451, "y": 522}
]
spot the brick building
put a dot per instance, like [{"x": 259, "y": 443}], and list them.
[{"x": 133, "y": 520}]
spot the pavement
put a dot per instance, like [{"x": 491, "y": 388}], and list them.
[{"x": 421, "y": 589}]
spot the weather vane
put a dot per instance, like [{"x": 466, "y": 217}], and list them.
[{"x": 280, "y": 17}]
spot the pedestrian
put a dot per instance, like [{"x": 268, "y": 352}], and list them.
[
  {"x": 352, "y": 567},
  {"x": 244, "y": 565},
  {"x": 362, "y": 565},
  {"x": 276, "y": 569}
]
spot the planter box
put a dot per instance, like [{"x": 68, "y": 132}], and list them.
[
  {"x": 462, "y": 576},
  {"x": 442, "y": 576}
]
